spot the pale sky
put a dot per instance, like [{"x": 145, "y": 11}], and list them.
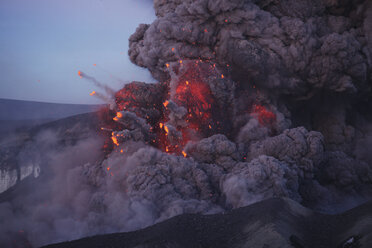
[{"x": 43, "y": 43}]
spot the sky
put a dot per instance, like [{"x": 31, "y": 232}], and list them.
[{"x": 43, "y": 44}]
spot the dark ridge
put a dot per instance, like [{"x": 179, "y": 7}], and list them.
[
  {"x": 29, "y": 110},
  {"x": 270, "y": 223}
]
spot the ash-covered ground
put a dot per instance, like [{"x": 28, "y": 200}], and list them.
[
  {"x": 255, "y": 99},
  {"x": 272, "y": 223}
]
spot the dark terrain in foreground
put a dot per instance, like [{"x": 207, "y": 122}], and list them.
[{"x": 267, "y": 224}]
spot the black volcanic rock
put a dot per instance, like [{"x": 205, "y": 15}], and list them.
[{"x": 270, "y": 223}]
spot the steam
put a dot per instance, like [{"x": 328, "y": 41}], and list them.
[
  {"x": 42, "y": 213},
  {"x": 109, "y": 93}
]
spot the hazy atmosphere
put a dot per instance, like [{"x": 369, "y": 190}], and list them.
[{"x": 43, "y": 43}]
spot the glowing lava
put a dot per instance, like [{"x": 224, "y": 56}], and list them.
[
  {"x": 181, "y": 110},
  {"x": 192, "y": 92},
  {"x": 264, "y": 116},
  {"x": 115, "y": 140}
]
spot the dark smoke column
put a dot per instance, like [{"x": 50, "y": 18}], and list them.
[{"x": 292, "y": 47}]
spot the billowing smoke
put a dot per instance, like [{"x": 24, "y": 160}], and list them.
[
  {"x": 256, "y": 99},
  {"x": 298, "y": 74}
]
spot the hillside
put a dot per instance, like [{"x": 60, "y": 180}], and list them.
[
  {"x": 16, "y": 114},
  {"x": 271, "y": 223},
  {"x": 29, "y": 110}
]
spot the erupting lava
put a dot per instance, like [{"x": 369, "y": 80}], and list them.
[
  {"x": 189, "y": 110},
  {"x": 181, "y": 110}
]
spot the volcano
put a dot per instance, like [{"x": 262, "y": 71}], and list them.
[{"x": 255, "y": 100}]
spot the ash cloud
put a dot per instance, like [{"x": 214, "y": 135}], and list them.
[
  {"x": 307, "y": 62},
  {"x": 299, "y": 90},
  {"x": 292, "y": 47}
]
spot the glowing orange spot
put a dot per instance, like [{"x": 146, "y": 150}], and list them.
[
  {"x": 115, "y": 118},
  {"x": 172, "y": 49},
  {"x": 194, "y": 94},
  {"x": 115, "y": 141},
  {"x": 167, "y": 65},
  {"x": 166, "y": 129},
  {"x": 263, "y": 115},
  {"x": 119, "y": 114},
  {"x": 121, "y": 151},
  {"x": 184, "y": 154},
  {"x": 93, "y": 93},
  {"x": 80, "y": 74},
  {"x": 222, "y": 76},
  {"x": 94, "y": 64},
  {"x": 108, "y": 168}
]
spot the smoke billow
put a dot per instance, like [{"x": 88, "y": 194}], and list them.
[
  {"x": 292, "y": 47},
  {"x": 256, "y": 99},
  {"x": 50, "y": 207}
]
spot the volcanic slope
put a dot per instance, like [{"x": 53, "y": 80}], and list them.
[
  {"x": 276, "y": 222},
  {"x": 16, "y": 115}
]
